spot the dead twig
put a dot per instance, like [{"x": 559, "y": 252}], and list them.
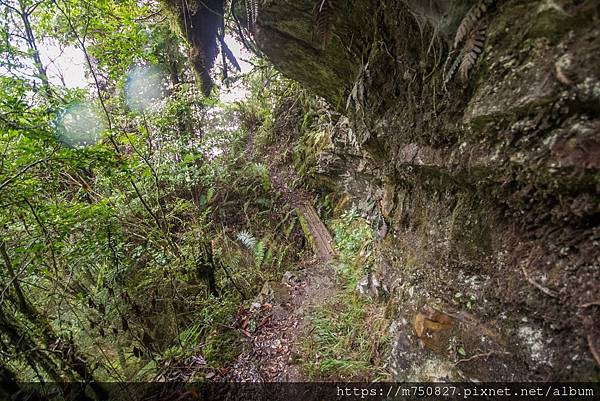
[
  {"x": 537, "y": 285},
  {"x": 263, "y": 321},
  {"x": 593, "y": 349},
  {"x": 484, "y": 355},
  {"x": 594, "y": 303}
]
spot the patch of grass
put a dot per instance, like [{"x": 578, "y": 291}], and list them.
[
  {"x": 222, "y": 348},
  {"x": 353, "y": 240},
  {"x": 347, "y": 340},
  {"x": 347, "y": 337}
]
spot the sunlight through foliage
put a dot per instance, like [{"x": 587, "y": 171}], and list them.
[
  {"x": 145, "y": 88},
  {"x": 80, "y": 124}
]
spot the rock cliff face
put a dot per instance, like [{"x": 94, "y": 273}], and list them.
[{"x": 487, "y": 192}]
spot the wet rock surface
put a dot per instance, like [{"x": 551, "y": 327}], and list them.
[{"x": 488, "y": 190}]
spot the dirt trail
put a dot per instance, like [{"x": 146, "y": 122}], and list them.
[
  {"x": 280, "y": 313},
  {"x": 274, "y": 352}
]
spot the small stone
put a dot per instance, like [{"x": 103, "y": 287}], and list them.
[
  {"x": 369, "y": 287},
  {"x": 289, "y": 278},
  {"x": 362, "y": 287}
]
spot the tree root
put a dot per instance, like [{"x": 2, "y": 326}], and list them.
[{"x": 540, "y": 287}]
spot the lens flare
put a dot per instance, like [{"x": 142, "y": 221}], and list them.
[
  {"x": 80, "y": 125},
  {"x": 145, "y": 88}
]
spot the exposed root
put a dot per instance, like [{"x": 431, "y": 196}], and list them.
[
  {"x": 540, "y": 287},
  {"x": 484, "y": 355}
]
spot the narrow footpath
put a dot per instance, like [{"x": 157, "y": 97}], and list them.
[{"x": 282, "y": 309}]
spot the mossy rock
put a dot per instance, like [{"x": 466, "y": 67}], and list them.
[{"x": 469, "y": 235}]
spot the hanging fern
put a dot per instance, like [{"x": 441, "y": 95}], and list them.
[
  {"x": 472, "y": 49},
  {"x": 471, "y": 30},
  {"x": 471, "y": 20},
  {"x": 449, "y": 73},
  {"x": 325, "y": 15},
  {"x": 251, "y": 13}
]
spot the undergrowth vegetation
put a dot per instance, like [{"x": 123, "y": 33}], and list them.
[
  {"x": 135, "y": 219},
  {"x": 347, "y": 335}
]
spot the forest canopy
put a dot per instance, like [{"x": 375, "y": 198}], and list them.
[{"x": 122, "y": 194}]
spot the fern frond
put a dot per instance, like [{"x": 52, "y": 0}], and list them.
[
  {"x": 472, "y": 19},
  {"x": 259, "y": 253},
  {"x": 325, "y": 15},
  {"x": 248, "y": 19},
  {"x": 247, "y": 240},
  {"x": 263, "y": 172},
  {"x": 251, "y": 13},
  {"x": 449, "y": 73},
  {"x": 472, "y": 49}
]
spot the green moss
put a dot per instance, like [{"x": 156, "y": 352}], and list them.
[
  {"x": 306, "y": 230},
  {"x": 553, "y": 23},
  {"x": 470, "y": 239}
]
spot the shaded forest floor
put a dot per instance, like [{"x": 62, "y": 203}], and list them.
[
  {"x": 279, "y": 315},
  {"x": 282, "y": 313}
]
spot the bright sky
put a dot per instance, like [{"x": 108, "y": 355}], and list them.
[
  {"x": 236, "y": 91},
  {"x": 81, "y": 124},
  {"x": 68, "y": 66}
]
